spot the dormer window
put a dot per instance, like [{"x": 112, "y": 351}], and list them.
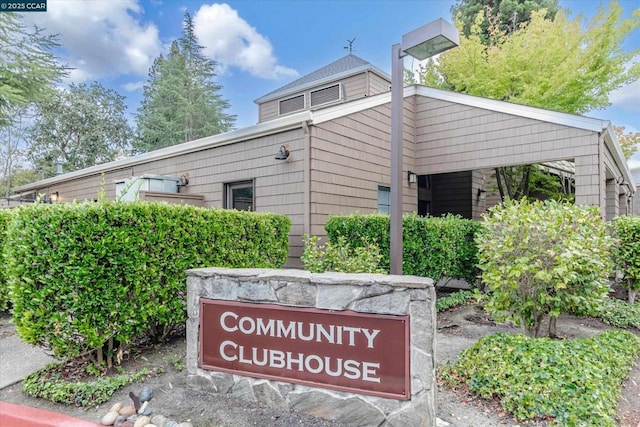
[
  {"x": 325, "y": 95},
  {"x": 291, "y": 105}
]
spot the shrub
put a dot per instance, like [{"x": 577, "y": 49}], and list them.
[
  {"x": 627, "y": 254},
  {"x": 4, "y": 287},
  {"x": 92, "y": 277},
  {"x": 543, "y": 258},
  {"x": 432, "y": 247},
  {"x": 615, "y": 312},
  {"x": 575, "y": 382},
  {"x": 340, "y": 257}
]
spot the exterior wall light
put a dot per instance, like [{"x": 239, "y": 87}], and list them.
[
  {"x": 283, "y": 154},
  {"x": 53, "y": 197},
  {"x": 412, "y": 177},
  {"x": 482, "y": 194}
]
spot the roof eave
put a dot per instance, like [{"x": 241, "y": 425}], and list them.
[{"x": 261, "y": 129}]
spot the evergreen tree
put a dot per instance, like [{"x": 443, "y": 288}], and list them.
[{"x": 181, "y": 100}]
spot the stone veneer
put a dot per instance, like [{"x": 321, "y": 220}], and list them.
[{"x": 365, "y": 293}]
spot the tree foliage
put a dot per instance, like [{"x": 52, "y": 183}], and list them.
[
  {"x": 501, "y": 16},
  {"x": 28, "y": 69},
  {"x": 541, "y": 259},
  {"x": 553, "y": 64},
  {"x": 82, "y": 125},
  {"x": 182, "y": 101},
  {"x": 628, "y": 141}
]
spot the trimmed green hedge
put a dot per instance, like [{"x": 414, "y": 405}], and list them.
[
  {"x": 92, "y": 275},
  {"x": 4, "y": 288},
  {"x": 627, "y": 254},
  {"x": 433, "y": 246}
]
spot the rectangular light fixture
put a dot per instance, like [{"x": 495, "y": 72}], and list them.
[{"x": 430, "y": 39}]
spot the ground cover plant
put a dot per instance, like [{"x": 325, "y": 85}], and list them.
[
  {"x": 568, "y": 382},
  {"x": 540, "y": 259},
  {"x": 456, "y": 299}
]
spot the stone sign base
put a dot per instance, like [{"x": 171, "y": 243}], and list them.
[{"x": 363, "y": 293}]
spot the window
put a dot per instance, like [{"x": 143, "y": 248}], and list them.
[
  {"x": 384, "y": 199},
  {"x": 239, "y": 195},
  {"x": 325, "y": 95},
  {"x": 292, "y": 104}
]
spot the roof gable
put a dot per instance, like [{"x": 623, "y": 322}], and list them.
[{"x": 343, "y": 67}]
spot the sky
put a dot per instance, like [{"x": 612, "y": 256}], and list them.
[{"x": 261, "y": 45}]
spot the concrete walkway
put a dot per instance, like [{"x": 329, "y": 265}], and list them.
[{"x": 17, "y": 359}]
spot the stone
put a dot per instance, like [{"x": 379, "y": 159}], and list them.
[
  {"x": 351, "y": 410},
  {"x": 145, "y": 409},
  {"x": 270, "y": 396},
  {"x": 423, "y": 324},
  {"x": 337, "y": 297},
  {"x": 171, "y": 423},
  {"x": 243, "y": 390},
  {"x": 159, "y": 420},
  {"x": 146, "y": 394},
  {"x": 127, "y": 411},
  {"x": 377, "y": 289},
  {"x": 142, "y": 422},
  {"x": 185, "y": 424},
  {"x": 213, "y": 382},
  {"x": 298, "y": 294},
  {"x": 251, "y": 291},
  {"x": 116, "y": 407},
  {"x": 109, "y": 418},
  {"x": 421, "y": 411},
  {"x": 422, "y": 368},
  {"x": 124, "y": 423},
  {"x": 395, "y": 303}
]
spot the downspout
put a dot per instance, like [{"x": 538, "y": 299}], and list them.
[
  {"x": 602, "y": 177},
  {"x": 306, "y": 221}
]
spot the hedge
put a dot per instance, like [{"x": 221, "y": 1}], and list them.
[
  {"x": 4, "y": 288},
  {"x": 627, "y": 254},
  {"x": 92, "y": 275},
  {"x": 433, "y": 247}
]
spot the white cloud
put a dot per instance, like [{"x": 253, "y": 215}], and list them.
[
  {"x": 101, "y": 38},
  {"x": 133, "y": 86},
  {"x": 627, "y": 97},
  {"x": 231, "y": 41}
]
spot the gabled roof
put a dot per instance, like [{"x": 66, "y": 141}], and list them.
[{"x": 343, "y": 67}]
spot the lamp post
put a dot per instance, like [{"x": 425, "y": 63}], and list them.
[{"x": 422, "y": 43}]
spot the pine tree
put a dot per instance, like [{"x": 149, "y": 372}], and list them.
[{"x": 182, "y": 101}]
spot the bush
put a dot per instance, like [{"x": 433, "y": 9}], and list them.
[
  {"x": 4, "y": 287},
  {"x": 615, "y": 312},
  {"x": 92, "y": 277},
  {"x": 575, "y": 382},
  {"x": 543, "y": 258},
  {"x": 340, "y": 257},
  {"x": 432, "y": 247},
  {"x": 627, "y": 254}
]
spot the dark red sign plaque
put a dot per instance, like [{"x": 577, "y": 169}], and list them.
[{"x": 341, "y": 350}]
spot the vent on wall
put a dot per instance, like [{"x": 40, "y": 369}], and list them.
[
  {"x": 292, "y": 104},
  {"x": 325, "y": 95}
]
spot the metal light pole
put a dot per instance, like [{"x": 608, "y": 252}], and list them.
[{"x": 422, "y": 43}]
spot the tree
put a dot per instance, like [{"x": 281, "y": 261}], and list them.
[
  {"x": 501, "y": 16},
  {"x": 28, "y": 69},
  {"x": 628, "y": 141},
  {"x": 541, "y": 259},
  {"x": 181, "y": 100},
  {"x": 83, "y": 126}
]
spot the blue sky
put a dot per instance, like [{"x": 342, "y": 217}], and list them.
[{"x": 261, "y": 45}]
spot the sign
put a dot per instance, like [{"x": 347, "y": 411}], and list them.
[
  {"x": 23, "y": 6},
  {"x": 344, "y": 350}
]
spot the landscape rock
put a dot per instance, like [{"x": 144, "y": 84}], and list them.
[
  {"x": 116, "y": 407},
  {"x": 127, "y": 411},
  {"x": 146, "y": 394},
  {"x": 159, "y": 420},
  {"x": 109, "y": 418},
  {"x": 142, "y": 422}
]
